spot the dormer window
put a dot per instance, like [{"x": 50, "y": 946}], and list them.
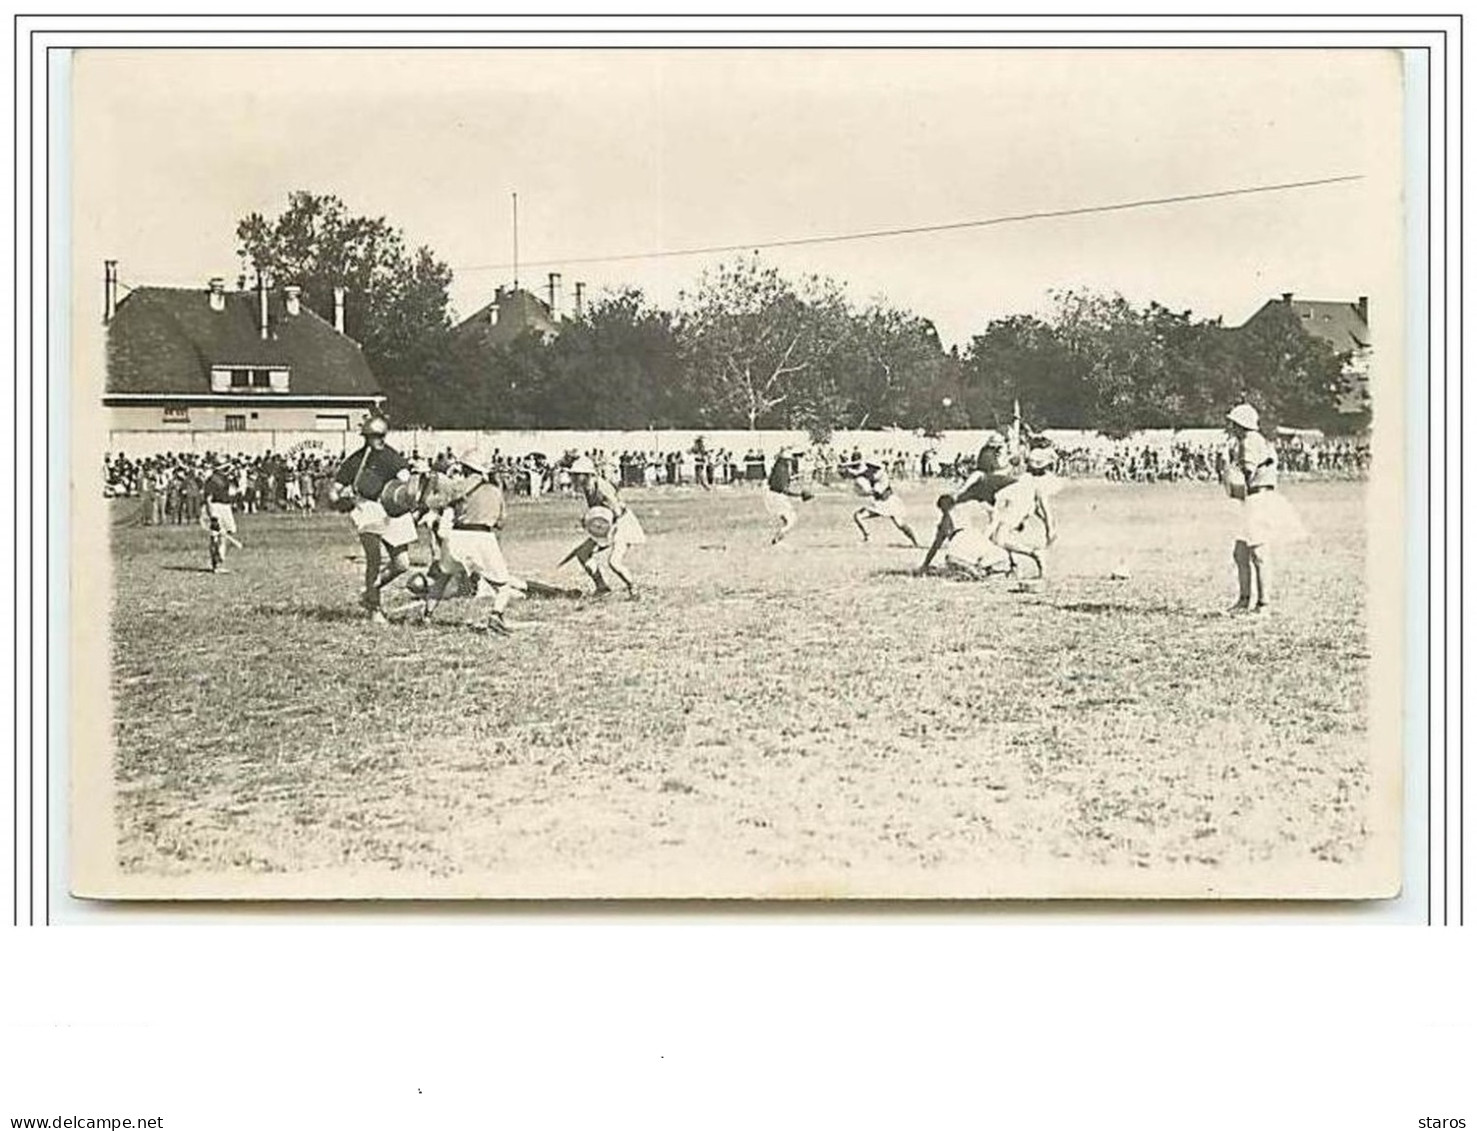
[{"x": 244, "y": 379}]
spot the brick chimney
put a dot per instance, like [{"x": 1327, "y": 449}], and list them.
[
  {"x": 553, "y": 294},
  {"x": 294, "y": 299},
  {"x": 1363, "y": 307},
  {"x": 217, "y": 294},
  {"x": 338, "y": 309},
  {"x": 1287, "y": 298},
  {"x": 579, "y": 301},
  {"x": 262, "y": 283},
  {"x": 110, "y": 290}
]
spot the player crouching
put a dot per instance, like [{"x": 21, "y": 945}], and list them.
[
  {"x": 469, "y": 549},
  {"x": 872, "y": 483},
  {"x": 966, "y": 546},
  {"x": 619, "y": 529}
]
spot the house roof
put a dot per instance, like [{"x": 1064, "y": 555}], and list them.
[
  {"x": 164, "y": 340},
  {"x": 1340, "y": 324},
  {"x": 518, "y": 311}
]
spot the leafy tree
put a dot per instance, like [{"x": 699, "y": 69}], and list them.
[
  {"x": 617, "y": 367},
  {"x": 755, "y": 346},
  {"x": 1294, "y": 377},
  {"x": 397, "y": 298},
  {"x": 1024, "y": 358},
  {"x": 893, "y": 372}
]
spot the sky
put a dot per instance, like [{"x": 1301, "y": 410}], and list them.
[{"x": 617, "y": 152}]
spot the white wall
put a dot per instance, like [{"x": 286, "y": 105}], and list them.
[{"x": 556, "y": 443}]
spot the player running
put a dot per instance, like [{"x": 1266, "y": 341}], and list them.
[
  {"x": 779, "y": 489},
  {"x": 608, "y": 538},
  {"x": 360, "y": 481},
  {"x": 217, "y": 516},
  {"x": 871, "y": 481}
]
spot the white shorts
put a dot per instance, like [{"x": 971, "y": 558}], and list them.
[
  {"x": 222, "y": 513},
  {"x": 294, "y": 491},
  {"x": 627, "y": 530},
  {"x": 1267, "y": 518},
  {"x": 370, "y": 518},
  {"x": 476, "y": 553},
  {"x": 972, "y": 516},
  {"x": 779, "y": 505},
  {"x": 891, "y": 507},
  {"x": 970, "y": 548}
]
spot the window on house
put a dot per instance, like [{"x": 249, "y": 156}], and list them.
[
  {"x": 240, "y": 378},
  {"x": 176, "y": 416},
  {"x": 261, "y": 378},
  {"x": 236, "y": 423}
]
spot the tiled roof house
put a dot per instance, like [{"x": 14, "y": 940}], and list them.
[
  {"x": 211, "y": 360},
  {"x": 1343, "y": 325}
]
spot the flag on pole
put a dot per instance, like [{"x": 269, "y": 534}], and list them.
[{"x": 1015, "y": 429}]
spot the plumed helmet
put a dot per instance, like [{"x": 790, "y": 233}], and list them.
[
  {"x": 1245, "y": 416},
  {"x": 993, "y": 439},
  {"x": 374, "y": 426}
]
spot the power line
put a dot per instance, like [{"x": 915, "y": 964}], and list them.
[{"x": 1017, "y": 218}]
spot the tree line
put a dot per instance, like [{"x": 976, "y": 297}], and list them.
[{"x": 747, "y": 348}]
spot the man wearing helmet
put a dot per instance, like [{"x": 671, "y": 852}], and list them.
[
  {"x": 882, "y": 501},
  {"x": 470, "y": 553},
  {"x": 594, "y": 554},
  {"x": 1266, "y": 517},
  {"x": 1020, "y": 505},
  {"x": 779, "y": 488},
  {"x": 360, "y": 480}
]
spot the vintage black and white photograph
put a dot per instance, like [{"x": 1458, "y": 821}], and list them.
[{"x": 811, "y": 473}]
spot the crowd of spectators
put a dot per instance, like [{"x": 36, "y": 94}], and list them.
[{"x": 170, "y": 486}]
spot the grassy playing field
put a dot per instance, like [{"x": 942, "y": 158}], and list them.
[{"x": 807, "y": 720}]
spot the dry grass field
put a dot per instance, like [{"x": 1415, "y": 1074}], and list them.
[{"x": 811, "y": 720}]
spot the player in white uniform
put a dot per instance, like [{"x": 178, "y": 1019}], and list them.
[
  {"x": 965, "y": 546},
  {"x": 1022, "y": 522},
  {"x": 882, "y": 501},
  {"x": 599, "y": 552},
  {"x": 1266, "y": 517},
  {"x": 469, "y": 550}
]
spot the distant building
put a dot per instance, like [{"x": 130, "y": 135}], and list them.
[
  {"x": 512, "y": 313},
  {"x": 208, "y": 360},
  {"x": 1343, "y": 325}
]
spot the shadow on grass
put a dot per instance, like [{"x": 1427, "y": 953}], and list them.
[
  {"x": 1099, "y": 608},
  {"x": 188, "y": 568}
]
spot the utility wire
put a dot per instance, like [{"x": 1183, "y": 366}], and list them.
[{"x": 884, "y": 233}]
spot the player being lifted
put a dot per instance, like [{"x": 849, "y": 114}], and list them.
[
  {"x": 610, "y": 535},
  {"x": 871, "y": 481}
]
